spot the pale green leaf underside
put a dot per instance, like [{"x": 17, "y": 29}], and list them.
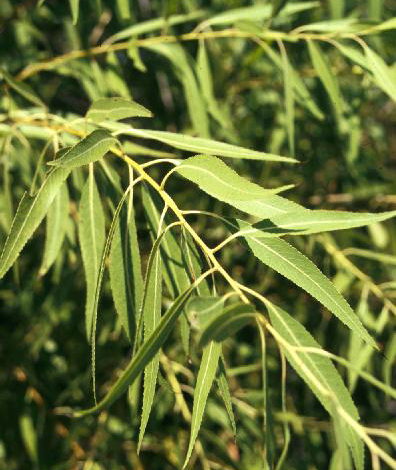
[
  {"x": 288, "y": 261},
  {"x": 313, "y": 221},
  {"x": 324, "y": 372},
  {"x": 217, "y": 179},
  {"x": 206, "y": 375},
  {"x": 88, "y": 150},
  {"x": 206, "y": 146},
  {"x": 382, "y": 73},
  {"x": 114, "y": 109},
  {"x": 30, "y": 213},
  {"x": 143, "y": 356}
]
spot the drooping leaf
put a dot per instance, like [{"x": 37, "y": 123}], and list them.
[
  {"x": 289, "y": 98},
  {"x": 149, "y": 26},
  {"x": 201, "y": 309},
  {"x": 222, "y": 383},
  {"x": 185, "y": 73},
  {"x": 143, "y": 355},
  {"x": 226, "y": 323},
  {"x": 124, "y": 9},
  {"x": 382, "y": 73},
  {"x": 91, "y": 233},
  {"x": 151, "y": 311},
  {"x": 125, "y": 271},
  {"x": 312, "y": 221},
  {"x": 290, "y": 263},
  {"x": 206, "y": 375},
  {"x": 217, "y": 179},
  {"x": 206, "y": 146},
  {"x": 88, "y": 150},
  {"x": 114, "y": 109},
  {"x": 74, "y": 7},
  {"x": 56, "y": 228},
  {"x": 323, "y": 372},
  {"x": 326, "y": 76},
  {"x": 206, "y": 83},
  {"x": 30, "y": 213},
  {"x": 22, "y": 88}
]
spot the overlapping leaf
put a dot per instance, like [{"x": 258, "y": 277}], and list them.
[
  {"x": 91, "y": 232},
  {"x": 206, "y": 146},
  {"x": 288, "y": 261},
  {"x": 88, "y": 150},
  {"x": 30, "y": 213},
  {"x": 324, "y": 373},
  {"x": 114, "y": 109}
]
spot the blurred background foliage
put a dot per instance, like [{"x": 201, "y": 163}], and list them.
[{"x": 348, "y": 161}]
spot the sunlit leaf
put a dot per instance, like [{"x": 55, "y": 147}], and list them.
[
  {"x": 324, "y": 373},
  {"x": 91, "y": 233},
  {"x": 289, "y": 262},
  {"x": 30, "y": 213},
  {"x": 88, "y": 150},
  {"x": 382, "y": 74},
  {"x": 115, "y": 109}
]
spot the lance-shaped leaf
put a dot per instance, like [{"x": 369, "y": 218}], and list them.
[
  {"x": 114, "y": 109},
  {"x": 125, "y": 271},
  {"x": 226, "y": 323},
  {"x": 30, "y": 213},
  {"x": 288, "y": 261},
  {"x": 22, "y": 88},
  {"x": 322, "y": 370},
  {"x": 151, "y": 311},
  {"x": 149, "y": 26},
  {"x": 57, "y": 217},
  {"x": 182, "y": 65},
  {"x": 88, "y": 150},
  {"x": 312, "y": 221},
  {"x": 206, "y": 375},
  {"x": 217, "y": 179},
  {"x": 326, "y": 76},
  {"x": 91, "y": 232},
  {"x": 74, "y": 7},
  {"x": 143, "y": 356},
  {"x": 222, "y": 383},
  {"x": 207, "y": 146},
  {"x": 384, "y": 77}
]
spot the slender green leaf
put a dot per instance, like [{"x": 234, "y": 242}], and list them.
[
  {"x": 22, "y": 88},
  {"x": 226, "y": 323},
  {"x": 289, "y": 98},
  {"x": 206, "y": 375},
  {"x": 29, "y": 437},
  {"x": 222, "y": 383},
  {"x": 91, "y": 232},
  {"x": 125, "y": 271},
  {"x": 207, "y": 146},
  {"x": 30, "y": 213},
  {"x": 88, "y": 150},
  {"x": 150, "y": 26},
  {"x": 74, "y": 7},
  {"x": 143, "y": 356},
  {"x": 217, "y": 179},
  {"x": 205, "y": 80},
  {"x": 384, "y": 77},
  {"x": 151, "y": 311},
  {"x": 289, "y": 262},
  {"x": 324, "y": 373},
  {"x": 57, "y": 217},
  {"x": 201, "y": 309},
  {"x": 185, "y": 73},
  {"x": 114, "y": 109},
  {"x": 312, "y": 221},
  {"x": 326, "y": 76},
  {"x": 124, "y": 9}
]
